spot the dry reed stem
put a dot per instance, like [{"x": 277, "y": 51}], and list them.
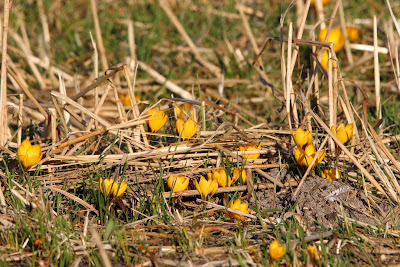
[
  {"x": 3, "y": 83},
  {"x": 73, "y": 197},
  {"x": 300, "y": 32},
  {"x": 103, "y": 254},
  {"x": 134, "y": 104},
  {"x": 28, "y": 93},
  {"x": 376, "y": 73},
  {"x": 249, "y": 32},
  {"x": 344, "y": 32},
  {"x": 396, "y": 23},
  {"x": 288, "y": 77},
  {"x": 96, "y": 68},
  {"x": 99, "y": 37},
  {"x": 162, "y": 80},
  {"x": 20, "y": 118},
  {"x": 97, "y": 83},
  {"x": 269, "y": 177},
  {"x": 45, "y": 24},
  {"x": 211, "y": 67},
  {"x": 319, "y": 9},
  {"x": 28, "y": 55}
]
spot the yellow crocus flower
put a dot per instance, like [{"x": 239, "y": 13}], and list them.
[
  {"x": 352, "y": 34},
  {"x": 302, "y": 138},
  {"x": 112, "y": 189},
  {"x": 313, "y": 252},
  {"x": 186, "y": 129},
  {"x": 305, "y": 156},
  {"x": 177, "y": 183},
  {"x": 156, "y": 119},
  {"x": 179, "y": 112},
  {"x": 220, "y": 176},
  {"x": 236, "y": 174},
  {"x": 250, "y": 147},
  {"x": 239, "y": 206},
  {"x": 29, "y": 154},
  {"x": 206, "y": 188},
  {"x": 126, "y": 100},
  {"x": 335, "y": 36},
  {"x": 343, "y": 133},
  {"x": 331, "y": 175},
  {"x": 276, "y": 251}
]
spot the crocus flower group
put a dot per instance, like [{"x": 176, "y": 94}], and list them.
[
  {"x": 343, "y": 133},
  {"x": 157, "y": 119},
  {"x": 337, "y": 38},
  {"x": 220, "y": 176},
  {"x": 305, "y": 151}
]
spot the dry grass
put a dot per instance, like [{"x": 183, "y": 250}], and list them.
[{"x": 247, "y": 85}]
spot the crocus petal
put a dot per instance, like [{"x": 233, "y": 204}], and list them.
[
  {"x": 119, "y": 190},
  {"x": 276, "y": 251},
  {"x": 320, "y": 156},
  {"x": 301, "y": 137},
  {"x": 156, "y": 119}
]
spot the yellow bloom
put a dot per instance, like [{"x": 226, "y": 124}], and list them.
[
  {"x": 335, "y": 36},
  {"x": 302, "y": 138},
  {"x": 206, "y": 188},
  {"x": 236, "y": 174},
  {"x": 243, "y": 207},
  {"x": 331, "y": 175},
  {"x": 343, "y": 133},
  {"x": 179, "y": 112},
  {"x": 352, "y": 34},
  {"x": 156, "y": 119},
  {"x": 29, "y": 155},
  {"x": 312, "y": 251},
  {"x": 276, "y": 251},
  {"x": 186, "y": 129},
  {"x": 220, "y": 176},
  {"x": 324, "y": 59},
  {"x": 177, "y": 183},
  {"x": 250, "y": 147},
  {"x": 324, "y": 2},
  {"x": 126, "y": 100},
  {"x": 304, "y": 157},
  {"x": 110, "y": 188}
]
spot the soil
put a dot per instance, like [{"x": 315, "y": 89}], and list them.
[{"x": 320, "y": 201}]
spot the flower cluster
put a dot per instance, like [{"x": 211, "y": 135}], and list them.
[
  {"x": 337, "y": 38},
  {"x": 305, "y": 151},
  {"x": 185, "y": 129},
  {"x": 343, "y": 133}
]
